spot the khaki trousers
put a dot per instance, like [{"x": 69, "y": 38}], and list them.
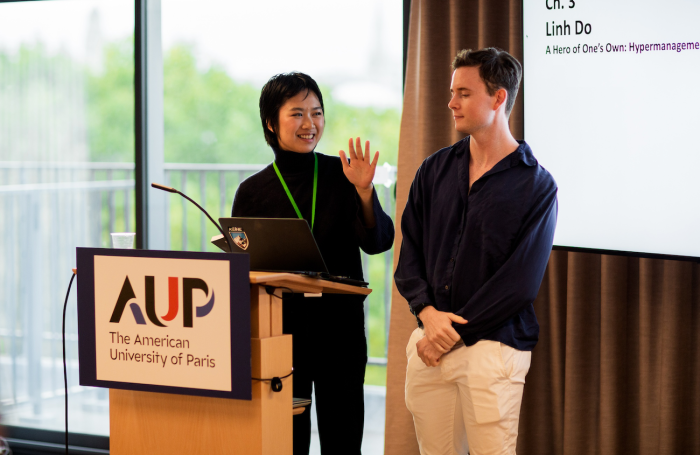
[{"x": 470, "y": 402}]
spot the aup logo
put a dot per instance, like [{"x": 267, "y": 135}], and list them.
[{"x": 188, "y": 286}]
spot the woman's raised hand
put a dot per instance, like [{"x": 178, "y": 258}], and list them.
[{"x": 359, "y": 171}]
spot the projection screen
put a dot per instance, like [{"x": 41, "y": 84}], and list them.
[{"x": 612, "y": 110}]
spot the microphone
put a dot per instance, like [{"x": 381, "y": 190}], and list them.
[
  {"x": 158, "y": 186},
  {"x": 166, "y": 188}
]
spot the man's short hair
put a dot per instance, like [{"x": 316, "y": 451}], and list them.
[
  {"x": 276, "y": 92},
  {"x": 497, "y": 68}
]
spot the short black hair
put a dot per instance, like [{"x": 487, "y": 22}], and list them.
[
  {"x": 276, "y": 92},
  {"x": 497, "y": 68}
]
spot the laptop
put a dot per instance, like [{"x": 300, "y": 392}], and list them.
[{"x": 278, "y": 245}]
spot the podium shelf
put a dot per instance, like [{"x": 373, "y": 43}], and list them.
[{"x": 305, "y": 283}]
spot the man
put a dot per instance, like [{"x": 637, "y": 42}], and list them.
[{"x": 477, "y": 233}]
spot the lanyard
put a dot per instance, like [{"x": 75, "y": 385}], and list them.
[{"x": 289, "y": 194}]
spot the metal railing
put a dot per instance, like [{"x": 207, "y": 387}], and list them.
[{"x": 48, "y": 209}]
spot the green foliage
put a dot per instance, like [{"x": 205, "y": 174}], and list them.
[
  {"x": 111, "y": 105},
  {"x": 38, "y": 91},
  {"x": 209, "y": 117},
  {"x": 375, "y": 375},
  {"x": 379, "y": 126}
]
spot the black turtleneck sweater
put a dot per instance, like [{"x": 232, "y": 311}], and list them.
[
  {"x": 329, "y": 349},
  {"x": 339, "y": 228}
]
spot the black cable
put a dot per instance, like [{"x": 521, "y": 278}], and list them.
[
  {"x": 271, "y": 290},
  {"x": 270, "y": 379},
  {"x": 275, "y": 382},
  {"x": 65, "y": 371}
]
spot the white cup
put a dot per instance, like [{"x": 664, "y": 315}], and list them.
[{"x": 124, "y": 240}]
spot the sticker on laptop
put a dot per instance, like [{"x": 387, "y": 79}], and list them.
[{"x": 239, "y": 237}]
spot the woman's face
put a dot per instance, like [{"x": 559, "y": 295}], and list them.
[{"x": 301, "y": 123}]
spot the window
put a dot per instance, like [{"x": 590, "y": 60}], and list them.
[
  {"x": 66, "y": 180},
  {"x": 68, "y": 171}
]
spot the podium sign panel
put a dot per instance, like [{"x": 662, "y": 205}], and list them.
[{"x": 161, "y": 321}]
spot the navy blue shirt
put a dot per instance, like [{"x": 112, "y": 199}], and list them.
[{"x": 480, "y": 254}]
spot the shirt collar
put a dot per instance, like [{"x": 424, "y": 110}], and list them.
[{"x": 522, "y": 153}]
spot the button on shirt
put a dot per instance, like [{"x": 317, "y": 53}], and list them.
[{"x": 480, "y": 254}]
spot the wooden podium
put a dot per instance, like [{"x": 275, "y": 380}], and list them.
[{"x": 160, "y": 423}]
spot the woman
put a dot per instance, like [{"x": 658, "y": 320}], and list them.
[{"x": 330, "y": 349}]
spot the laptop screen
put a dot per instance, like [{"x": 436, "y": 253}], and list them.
[{"x": 275, "y": 244}]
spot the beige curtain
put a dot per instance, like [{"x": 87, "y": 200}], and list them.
[{"x": 617, "y": 368}]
